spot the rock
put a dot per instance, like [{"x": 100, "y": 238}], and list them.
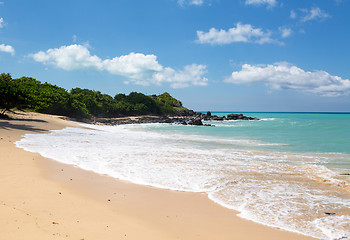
[
  {"x": 198, "y": 114},
  {"x": 168, "y": 120},
  {"x": 196, "y": 122},
  {"x": 216, "y": 118},
  {"x": 185, "y": 112},
  {"x": 232, "y": 116},
  {"x": 183, "y": 117}
]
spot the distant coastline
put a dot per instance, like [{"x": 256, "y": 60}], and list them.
[
  {"x": 92, "y": 106},
  {"x": 276, "y": 112}
]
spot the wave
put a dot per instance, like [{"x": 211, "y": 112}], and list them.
[{"x": 291, "y": 191}]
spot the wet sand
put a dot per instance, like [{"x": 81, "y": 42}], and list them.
[{"x": 43, "y": 199}]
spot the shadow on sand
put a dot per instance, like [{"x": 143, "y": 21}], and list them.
[{"x": 9, "y": 124}]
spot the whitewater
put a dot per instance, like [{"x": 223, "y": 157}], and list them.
[{"x": 287, "y": 170}]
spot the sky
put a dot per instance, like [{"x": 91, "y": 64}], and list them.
[{"x": 217, "y": 55}]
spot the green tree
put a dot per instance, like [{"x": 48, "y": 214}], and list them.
[
  {"x": 10, "y": 96},
  {"x": 29, "y": 93}
]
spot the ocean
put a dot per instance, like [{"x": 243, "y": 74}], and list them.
[{"x": 287, "y": 170}]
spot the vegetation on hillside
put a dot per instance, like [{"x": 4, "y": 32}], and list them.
[{"x": 29, "y": 93}]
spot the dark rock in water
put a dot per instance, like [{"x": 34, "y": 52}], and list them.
[
  {"x": 183, "y": 117},
  {"x": 198, "y": 114},
  {"x": 207, "y": 117},
  {"x": 196, "y": 122},
  {"x": 216, "y": 118},
  {"x": 329, "y": 213},
  {"x": 233, "y": 116},
  {"x": 345, "y": 174},
  {"x": 168, "y": 120}
]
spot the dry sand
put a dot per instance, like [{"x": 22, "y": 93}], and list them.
[{"x": 44, "y": 199}]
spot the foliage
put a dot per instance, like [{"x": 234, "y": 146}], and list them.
[
  {"x": 136, "y": 104},
  {"x": 96, "y": 103},
  {"x": 10, "y": 96},
  {"x": 29, "y": 93},
  {"x": 168, "y": 100}
]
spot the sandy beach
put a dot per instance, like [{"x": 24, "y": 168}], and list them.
[{"x": 44, "y": 199}]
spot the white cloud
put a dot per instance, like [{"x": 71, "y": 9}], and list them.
[
  {"x": 285, "y": 32},
  {"x": 71, "y": 57},
  {"x": 2, "y": 23},
  {"x": 197, "y": 2},
  {"x": 74, "y": 37},
  {"x": 269, "y": 3},
  {"x": 293, "y": 14},
  {"x": 241, "y": 33},
  {"x": 306, "y": 15},
  {"x": 7, "y": 49},
  {"x": 314, "y": 13},
  {"x": 182, "y": 3},
  {"x": 138, "y": 68},
  {"x": 134, "y": 65},
  {"x": 286, "y": 76},
  {"x": 190, "y": 75}
]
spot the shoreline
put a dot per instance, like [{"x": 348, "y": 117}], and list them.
[{"x": 47, "y": 199}]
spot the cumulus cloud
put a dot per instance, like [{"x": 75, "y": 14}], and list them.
[
  {"x": 293, "y": 14},
  {"x": 285, "y": 32},
  {"x": 182, "y": 3},
  {"x": 190, "y": 75},
  {"x": 138, "y": 68},
  {"x": 306, "y": 15},
  {"x": 73, "y": 57},
  {"x": 286, "y": 76},
  {"x": 7, "y": 49},
  {"x": 313, "y": 14},
  {"x": 133, "y": 65},
  {"x": 241, "y": 33},
  {"x": 269, "y": 3}
]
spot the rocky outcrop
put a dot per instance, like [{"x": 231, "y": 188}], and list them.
[
  {"x": 188, "y": 117},
  {"x": 196, "y": 121},
  {"x": 185, "y": 112},
  {"x": 233, "y": 116}
]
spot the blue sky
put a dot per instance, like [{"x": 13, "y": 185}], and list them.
[{"x": 235, "y": 55}]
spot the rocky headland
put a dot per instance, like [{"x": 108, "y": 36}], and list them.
[{"x": 183, "y": 117}]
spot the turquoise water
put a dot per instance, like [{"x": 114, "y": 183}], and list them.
[
  {"x": 287, "y": 132},
  {"x": 301, "y": 132},
  {"x": 286, "y": 171}
]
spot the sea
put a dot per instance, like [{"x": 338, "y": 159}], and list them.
[{"x": 288, "y": 170}]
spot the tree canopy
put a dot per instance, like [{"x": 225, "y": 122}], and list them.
[{"x": 29, "y": 93}]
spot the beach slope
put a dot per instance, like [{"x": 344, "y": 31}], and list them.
[{"x": 44, "y": 199}]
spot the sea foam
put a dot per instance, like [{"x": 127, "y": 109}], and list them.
[{"x": 287, "y": 190}]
